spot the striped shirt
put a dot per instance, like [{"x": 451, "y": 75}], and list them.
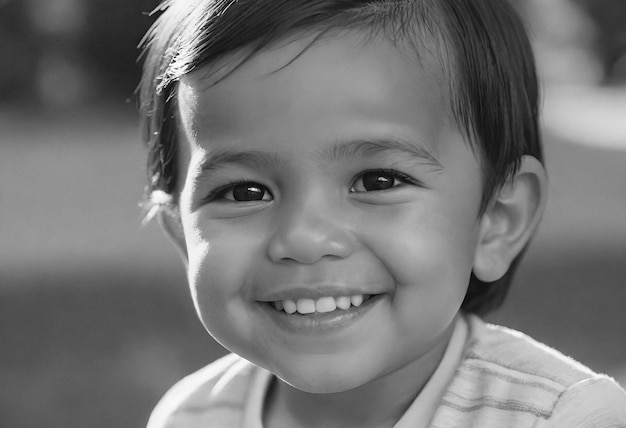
[{"x": 504, "y": 379}]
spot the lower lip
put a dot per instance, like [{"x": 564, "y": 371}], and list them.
[{"x": 320, "y": 322}]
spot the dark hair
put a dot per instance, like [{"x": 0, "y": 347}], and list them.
[{"x": 481, "y": 45}]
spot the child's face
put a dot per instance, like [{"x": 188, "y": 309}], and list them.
[{"x": 337, "y": 175}]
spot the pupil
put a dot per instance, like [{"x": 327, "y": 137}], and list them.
[
  {"x": 377, "y": 181},
  {"x": 248, "y": 192}
]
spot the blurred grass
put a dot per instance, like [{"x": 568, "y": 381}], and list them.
[
  {"x": 95, "y": 346},
  {"x": 95, "y": 318}
]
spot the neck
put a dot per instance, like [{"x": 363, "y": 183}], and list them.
[{"x": 379, "y": 403}]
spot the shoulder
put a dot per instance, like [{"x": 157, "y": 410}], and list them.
[
  {"x": 504, "y": 349},
  {"x": 505, "y": 372},
  {"x": 594, "y": 402},
  {"x": 215, "y": 392}
]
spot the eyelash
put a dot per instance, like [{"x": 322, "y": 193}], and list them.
[
  {"x": 386, "y": 171},
  {"x": 220, "y": 192}
]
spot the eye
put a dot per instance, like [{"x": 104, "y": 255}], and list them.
[
  {"x": 377, "y": 180},
  {"x": 245, "y": 192}
]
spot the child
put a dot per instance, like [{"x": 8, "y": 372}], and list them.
[{"x": 350, "y": 183}]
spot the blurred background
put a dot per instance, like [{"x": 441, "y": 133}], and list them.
[{"x": 95, "y": 318}]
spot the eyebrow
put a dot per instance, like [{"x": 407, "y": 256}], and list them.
[
  {"x": 250, "y": 158},
  {"x": 359, "y": 148},
  {"x": 373, "y": 146}
]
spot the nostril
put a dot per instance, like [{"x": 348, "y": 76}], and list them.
[{"x": 308, "y": 246}]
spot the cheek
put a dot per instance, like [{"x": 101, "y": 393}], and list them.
[
  {"x": 429, "y": 256},
  {"x": 220, "y": 253},
  {"x": 431, "y": 267},
  {"x": 221, "y": 261},
  {"x": 413, "y": 244}
]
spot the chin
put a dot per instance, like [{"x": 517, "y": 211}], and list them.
[
  {"x": 313, "y": 387},
  {"x": 324, "y": 381}
]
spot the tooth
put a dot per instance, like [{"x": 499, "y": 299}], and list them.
[
  {"x": 289, "y": 306},
  {"x": 325, "y": 304},
  {"x": 343, "y": 302},
  {"x": 278, "y": 305},
  {"x": 356, "y": 300},
  {"x": 306, "y": 306}
]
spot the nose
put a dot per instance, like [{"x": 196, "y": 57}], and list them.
[{"x": 309, "y": 231}]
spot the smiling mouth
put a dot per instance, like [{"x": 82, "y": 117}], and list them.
[{"x": 321, "y": 305}]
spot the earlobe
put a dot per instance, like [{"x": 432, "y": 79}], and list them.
[
  {"x": 509, "y": 221},
  {"x": 172, "y": 227}
]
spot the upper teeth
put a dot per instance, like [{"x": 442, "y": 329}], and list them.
[{"x": 323, "y": 304}]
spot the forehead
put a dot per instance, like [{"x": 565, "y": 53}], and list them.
[{"x": 330, "y": 89}]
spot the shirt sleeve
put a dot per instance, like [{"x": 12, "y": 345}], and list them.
[{"x": 597, "y": 402}]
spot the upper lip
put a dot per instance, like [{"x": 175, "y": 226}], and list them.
[{"x": 314, "y": 292}]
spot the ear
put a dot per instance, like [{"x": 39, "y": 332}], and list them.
[
  {"x": 510, "y": 220},
  {"x": 172, "y": 227}
]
